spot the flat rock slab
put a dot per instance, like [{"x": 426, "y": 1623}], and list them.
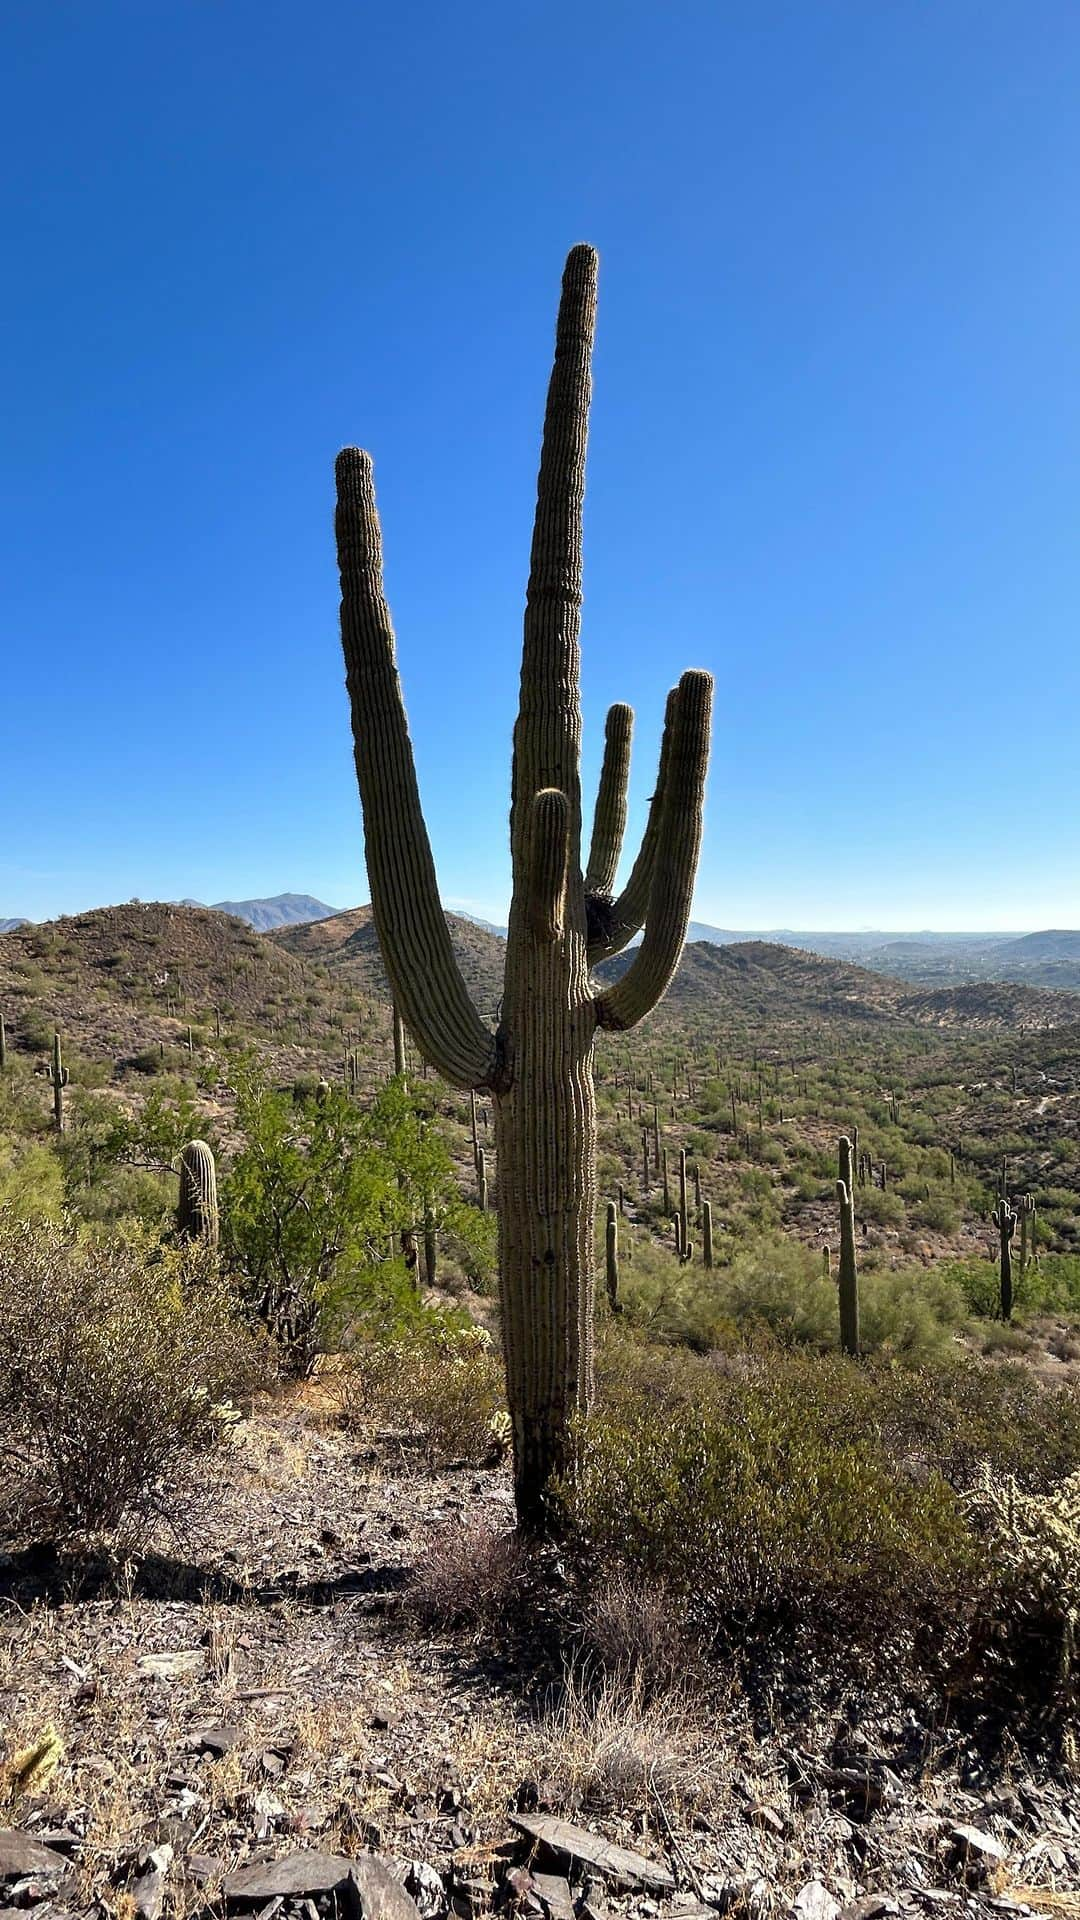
[
  {"x": 366, "y": 1888},
  {"x": 171, "y": 1666},
  {"x": 617, "y": 1864},
  {"x": 22, "y": 1858}
]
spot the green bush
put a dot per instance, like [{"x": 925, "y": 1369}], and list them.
[
  {"x": 443, "y": 1388},
  {"x": 115, "y": 1362},
  {"x": 759, "y": 1491},
  {"x": 31, "y": 1181},
  {"x": 776, "y": 1287}
]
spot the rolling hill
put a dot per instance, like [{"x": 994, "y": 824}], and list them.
[{"x": 346, "y": 944}]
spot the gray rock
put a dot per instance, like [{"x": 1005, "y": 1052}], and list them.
[
  {"x": 815, "y": 1902},
  {"x": 366, "y": 1889},
  {"x": 616, "y": 1864},
  {"x": 22, "y": 1858}
]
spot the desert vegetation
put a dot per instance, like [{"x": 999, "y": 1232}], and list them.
[{"x": 347, "y": 1521}]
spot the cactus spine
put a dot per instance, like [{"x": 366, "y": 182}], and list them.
[
  {"x": 197, "y": 1210},
  {"x": 537, "y": 1066},
  {"x": 847, "y": 1278},
  {"x": 1005, "y": 1221},
  {"x": 611, "y": 1256},
  {"x": 58, "y": 1079}
]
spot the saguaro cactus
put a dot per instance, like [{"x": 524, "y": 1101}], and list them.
[
  {"x": 58, "y": 1079},
  {"x": 197, "y": 1210},
  {"x": 847, "y": 1278},
  {"x": 564, "y": 917},
  {"x": 1005, "y": 1221},
  {"x": 611, "y": 1256},
  {"x": 1025, "y": 1207}
]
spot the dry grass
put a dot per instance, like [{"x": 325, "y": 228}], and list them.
[{"x": 605, "y": 1744}]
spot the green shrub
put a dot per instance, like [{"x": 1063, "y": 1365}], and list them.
[
  {"x": 31, "y": 1181},
  {"x": 115, "y": 1362},
  {"x": 759, "y": 1491},
  {"x": 443, "y": 1387}
]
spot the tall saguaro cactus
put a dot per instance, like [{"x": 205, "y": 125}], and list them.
[{"x": 564, "y": 917}]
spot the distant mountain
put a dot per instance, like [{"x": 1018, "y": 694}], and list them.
[
  {"x": 9, "y": 926},
  {"x": 283, "y": 910},
  {"x": 760, "y": 980}
]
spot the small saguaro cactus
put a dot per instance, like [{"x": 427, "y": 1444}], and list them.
[
  {"x": 1025, "y": 1207},
  {"x": 611, "y": 1256},
  {"x": 481, "y": 1180},
  {"x": 706, "y": 1235},
  {"x": 847, "y": 1278},
  {"x": 565, "y": 912},
  {"x": 3, "y": 1044},
  {"x": 58, "y": 1079},
  {"x": 197, "y": 1209},
  {"x": 1004, "y": 1219}
]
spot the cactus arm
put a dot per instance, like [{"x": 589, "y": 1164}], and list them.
[
  {"x": 609, "y": 817},
  {"x": 649, "y": 975},
  {"x": 626, "y": 915},
  {"x": 549, "y": 849},
  {"x": 547, "y": 734},
  {"x": 413, "y": 935}
]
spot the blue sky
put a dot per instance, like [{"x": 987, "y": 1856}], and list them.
[{"x": 834, "y": 454}]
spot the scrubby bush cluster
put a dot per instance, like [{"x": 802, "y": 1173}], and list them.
[
  {"x": 119, "y": 1365},
  {"x": 784, "y": 1504}
]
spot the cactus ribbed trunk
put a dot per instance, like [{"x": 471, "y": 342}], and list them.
[{"x": 538, "y": 1067}]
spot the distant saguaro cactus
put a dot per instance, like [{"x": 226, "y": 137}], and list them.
[
  {"x": 611, "y": 1256},
  {"x": 197, "y": 1209},
  {"x": 564, "y": 918},
  {"x": 706, "y": 1235},
  {"x": 58, "y": 1079},
  {"x": 847, "y": 1278},
  {"x": 1025, "y": 1207},
  {"x": 1004, "y": 1219}
]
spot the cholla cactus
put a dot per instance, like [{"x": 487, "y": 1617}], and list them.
[
  {"x": 565, "y": 915},
  {"x": 197, "y": 1210},
  {"x": 1035, "y": 1545}
]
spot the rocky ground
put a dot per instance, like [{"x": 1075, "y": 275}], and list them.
[{"x": 252, "y": 1717}]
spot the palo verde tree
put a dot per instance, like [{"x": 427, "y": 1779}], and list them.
[{"x": 537, "y": 1066}]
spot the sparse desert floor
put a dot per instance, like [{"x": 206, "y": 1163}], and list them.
[{"x": 267, "y": 1683}]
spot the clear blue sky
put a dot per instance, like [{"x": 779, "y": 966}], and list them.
[{"x": 835, "y": 452}]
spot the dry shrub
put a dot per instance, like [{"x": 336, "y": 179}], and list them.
[
  {"x": 443, "y": 1387},
  {"x": 634, "y": 1630},
  {"x": 117, "y": 1363},
  {"x": 470, "y": 1575}
]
